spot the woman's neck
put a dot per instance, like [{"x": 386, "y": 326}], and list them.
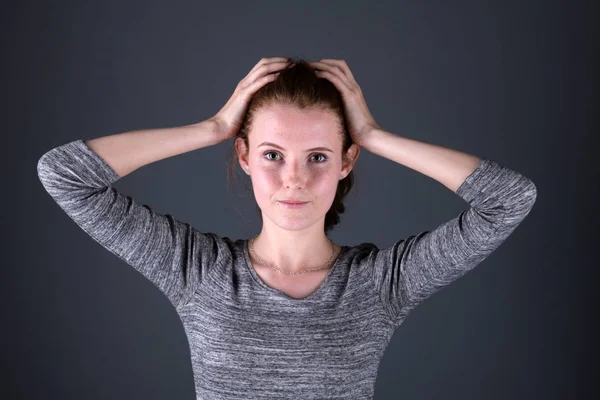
[{"x": 294, "y": 256}]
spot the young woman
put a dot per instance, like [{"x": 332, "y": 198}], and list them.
[{"x": 289, "y": 313}]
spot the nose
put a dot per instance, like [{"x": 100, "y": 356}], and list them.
[{"x": 294, "y": 175}]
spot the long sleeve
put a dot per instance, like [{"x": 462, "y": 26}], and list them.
[
  {"x": 173, "y": 255},
  {"x": 415, "y": 268}
]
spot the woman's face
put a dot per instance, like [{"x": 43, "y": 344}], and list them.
[{"x": 305, "y": 167}]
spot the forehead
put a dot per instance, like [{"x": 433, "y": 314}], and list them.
[{"x": 288, "y": 125}]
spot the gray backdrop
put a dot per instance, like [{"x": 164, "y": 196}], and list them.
[{"x": 508, "y": 80}]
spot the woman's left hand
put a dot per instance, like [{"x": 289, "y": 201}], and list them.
[{"x": 360, "y": 121}]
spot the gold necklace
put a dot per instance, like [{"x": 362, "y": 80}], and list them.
[{"x": 286, "y": 272}]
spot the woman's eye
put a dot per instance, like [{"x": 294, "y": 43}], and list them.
[
  {"x": 322, "y": 155},
  {"x": 269, "y": 152},
  {"x": 316, "y": 154}
]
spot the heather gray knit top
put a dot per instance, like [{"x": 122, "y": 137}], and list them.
[{"x": 250, "y": 341}]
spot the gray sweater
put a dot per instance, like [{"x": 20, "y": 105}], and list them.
[{"x": 250, "y": 341}]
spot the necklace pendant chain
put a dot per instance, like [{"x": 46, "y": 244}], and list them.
[{"x": 291, "y": 273}]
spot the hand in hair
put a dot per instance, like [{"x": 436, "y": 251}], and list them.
[
  {"x": 360, "y": 121},
  {"x": 229, "y": 118}
]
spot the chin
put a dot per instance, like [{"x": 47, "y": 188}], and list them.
[{"x": 292, "y": 220}]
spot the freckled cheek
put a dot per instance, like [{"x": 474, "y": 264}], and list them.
[
  {"x": 274, "y": 177},
  {"x": 327, "y": 191},
  {"x": 321, "y": 184},
  {"x": 265, "y": 186}
]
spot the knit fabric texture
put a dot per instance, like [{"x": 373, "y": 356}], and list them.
[{"x": 250, "y": 341}]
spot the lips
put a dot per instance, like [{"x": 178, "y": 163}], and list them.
[
  {"x": 294, "y": 202},
  {"x": 292, "y": 205}
]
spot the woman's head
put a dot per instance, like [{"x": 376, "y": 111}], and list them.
[{"x": 298, "y": 112}]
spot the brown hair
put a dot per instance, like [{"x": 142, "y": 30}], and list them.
[{"x": 299, "y": 86}]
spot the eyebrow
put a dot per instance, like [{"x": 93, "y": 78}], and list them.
[{"x": 281, "y": 148}]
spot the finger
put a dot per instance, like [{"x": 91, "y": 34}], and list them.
[
  {"x": 327, "y": 66},
  {"x": 335, "y": 79},
  {"x": 253, "y": 88},
  {"x": 263, "y": 70},
  {"x": 267, "y": 60},
  {"x": 342, "y": 65},
  {"x": 334, "y": 71},
  {"x": 338, "y": 64}
]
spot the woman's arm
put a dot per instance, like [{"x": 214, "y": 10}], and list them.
[
  {"x": 173, "y": 255},
  {"x": 413, "y": 269},
  {"x": 128, "y": 151},
  {"x": 448, "y": 166}
]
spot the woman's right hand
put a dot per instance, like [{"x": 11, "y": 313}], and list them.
[{"x": 229, "y": 118}]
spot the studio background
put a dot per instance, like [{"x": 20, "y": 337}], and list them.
[{"x": 513, "y": 81}]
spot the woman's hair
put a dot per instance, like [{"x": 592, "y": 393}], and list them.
[{"x": 300, "y": 87}]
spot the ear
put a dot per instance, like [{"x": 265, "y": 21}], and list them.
[
  {"x": 242, "y": 153},
  {"x": 350, "y": 159}
]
